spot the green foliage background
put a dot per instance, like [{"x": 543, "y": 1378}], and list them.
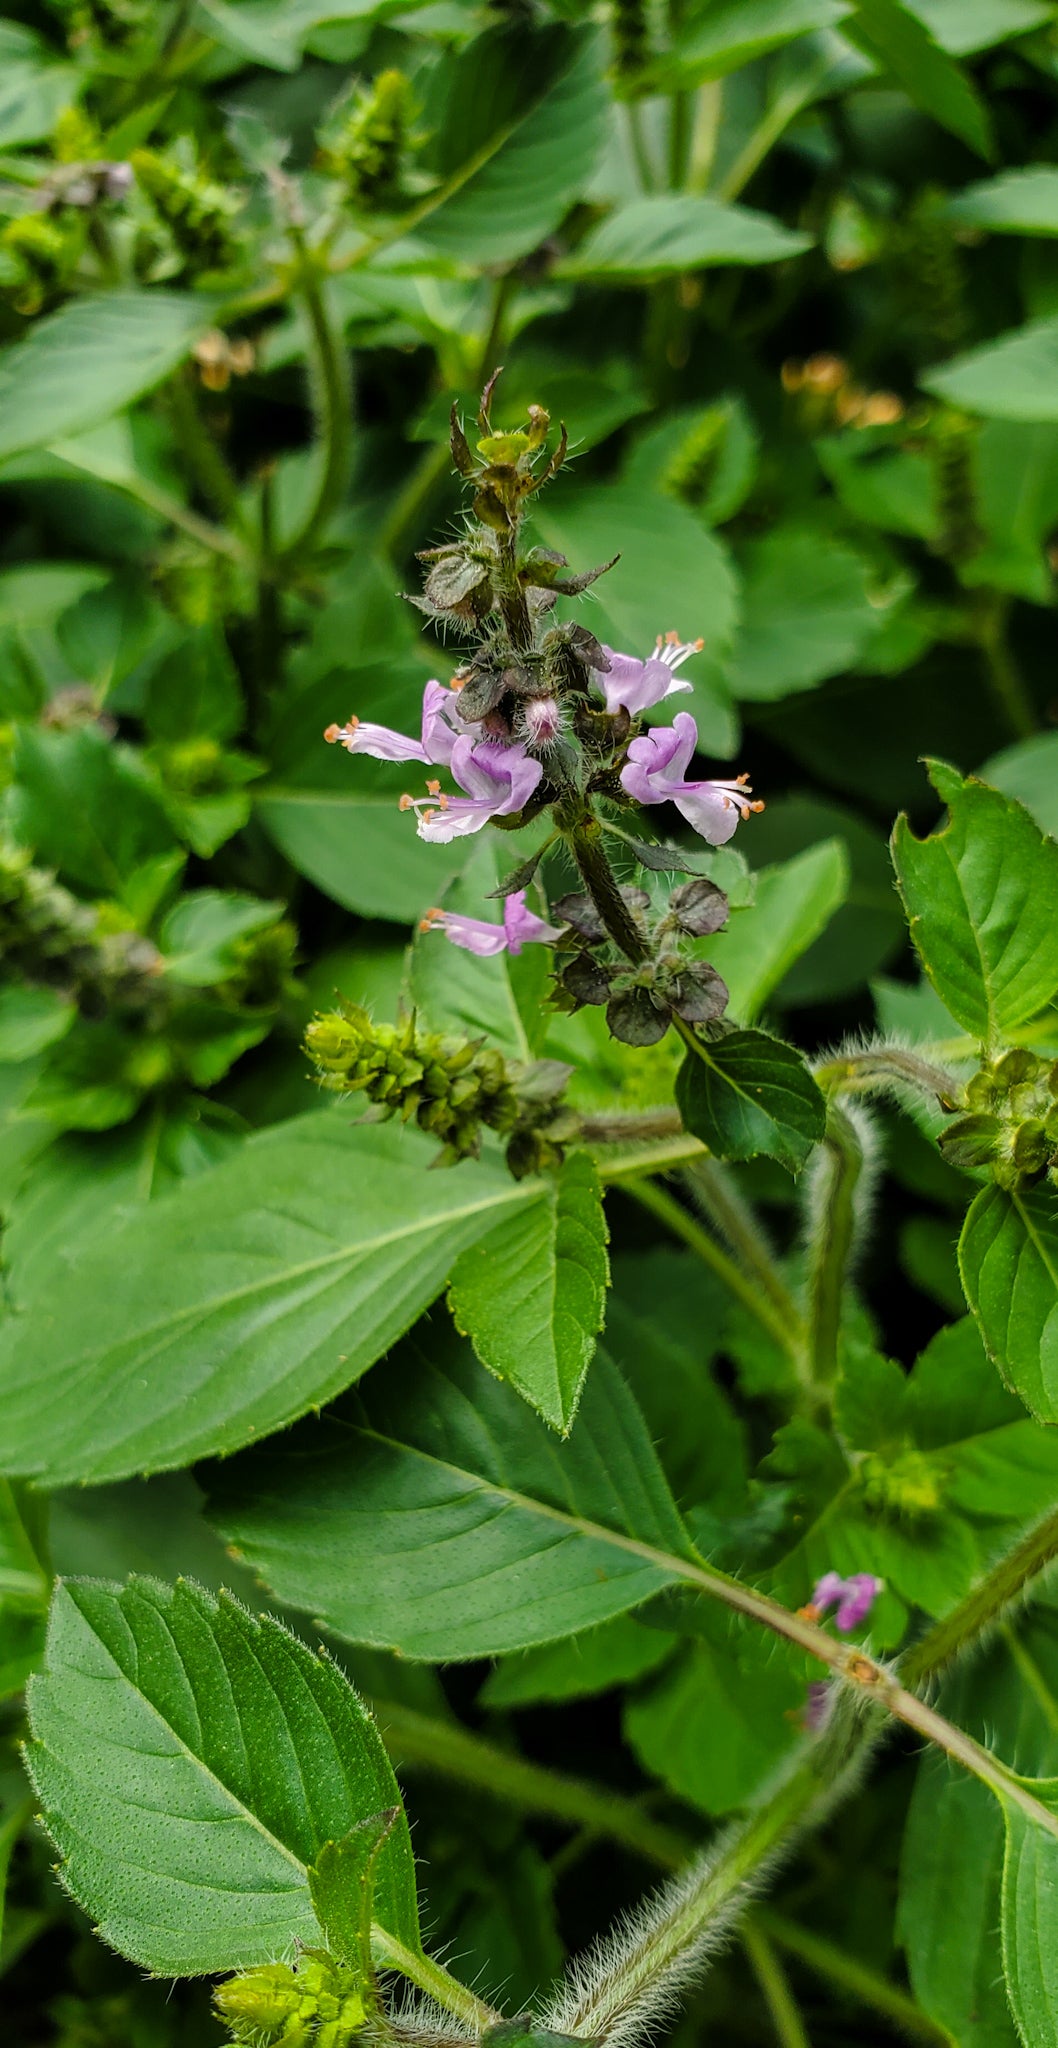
[{"x": 788, "y": 269}]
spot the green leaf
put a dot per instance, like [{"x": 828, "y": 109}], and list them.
[
  {"x": 533, "y": 109},
  {"x": 192, "y": 1762},
  {"x": 199, "y": 936},
  {"x": 981, "y": 896},
  {"x": 442, "y": 1519},
  {"x": 235, "y": 1303},
  {"x": 85, "y": 807},
  {"x": 966, "y": 26},
  {"x": 718, "y": 1721},
  {"x": 1007, "y": 1697},
  {"x": 1008, "y": 1258},
  {"x": 662, "y": 234},
  {"x": 730, "y": 33},
  {"x": 951, "y": 1862},
  {"x": 1028, "y": 772},
  {"x": 32, "y": 96},
  {"x": 1014, "y": 378},
  {"x": 748, "y": 1093},
  {"x": 614, "y": 1653},
  {"x": 899, "y": 41},
  {"x": 805, "y": 614},
  {"x": 531, "y": 1294},
  {"x": 666, "y": 1358},
  {"x": 1021, "y": 202},
  {"x": 795, "y": 902},
  {"x": 31, "y": 1019},
  {"x": 343, "y": 1882},
  {"x": 1030, "y": 1921},
  {"x": 90, "y": 359}
]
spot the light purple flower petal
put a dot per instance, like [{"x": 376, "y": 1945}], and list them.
[
  {"x": 497, "y": 779},
  {"x": 441, "y": 727},
  {"x": 653, "y": 774},
  {"x": 477, "y": 935},
  {"x": 853, "y": 1597},
  {"x": 633, "y": 686}
]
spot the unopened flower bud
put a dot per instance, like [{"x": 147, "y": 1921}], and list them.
[{"x": 543, "y": 719}]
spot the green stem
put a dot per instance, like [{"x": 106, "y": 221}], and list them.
[
  {"x": 432, "y": 1977},
  {"x": 333, "y": 402},
  {"x": 774, "y": 1986},
  {"x": 205, "y": 464},
  {"x": 418, "y": 1741},
  {"x": 640, "y": 150},
  {"x": 585, "y": 843},
  {"x": 834, "y": 1225},
  {"x": 744, "y": 1288},
  {"x": 626, "y": 1126},
  {"x": 1005, "y": 679},
  {"x": 875, "y": 1069},
  {"x": 711, "y": 1186},
  {"x": 268, "y": 621},
  {"x": 984, "y": 1606},
  {"x": 846, "y": 1974}
]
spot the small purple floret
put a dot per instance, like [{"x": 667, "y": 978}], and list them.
[
  {"x": 634, "y": 686},
  {"x": 520, "y": 927},
  {"x": 853, "y": 1597},
  {"x": 654, "y": 771}
]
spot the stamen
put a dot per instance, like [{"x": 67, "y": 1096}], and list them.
[
  {"x": 443, "y": 800},
  {"x": 332, "y": 733},
  {"x": 810, "y": 1612},
  {"x": 674, "y": 652},
  {"x": 407, "y": 803},
  {"x": 431, "y": 920},
  {"x": 433, "y": 786}
]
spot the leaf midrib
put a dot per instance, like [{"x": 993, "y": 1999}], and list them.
[{"x": 368, "y": 1247}]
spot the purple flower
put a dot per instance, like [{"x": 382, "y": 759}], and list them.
[
  {"x": 520, "y": 926},
  {"x": 653, "y": 774},
  {"x": 441, "y": 727},
  {"x": 542, "y": 721},
  {"x": 497, "y": 779},
  {"x": 853, "y": 1597},
  {"x": 633, "y": 686}
]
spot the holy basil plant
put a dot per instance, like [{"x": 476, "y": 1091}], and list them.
[{"x": 528, "y": 1231}]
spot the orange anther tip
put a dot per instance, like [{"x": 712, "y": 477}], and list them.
[
  {"x": 405, "y": 803},
  {"x": 442, "y": 800},
  {"x": 331, "y": 733},
  {"x": 433, "y": 786},
  {"x": 809, "y": 1612}
]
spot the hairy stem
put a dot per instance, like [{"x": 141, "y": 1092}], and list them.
[
  {"x": 774, "y": 1986},
  {"x": 618, "y": 1983},
  {"x": 625, "y": 1126},
  {"x": 833, "y": 1229},
  {"x": 990, "y": 615},
  {"x": 712, "y": 1188},
  {"x": 434, "y": 1979},
  {"x": 585, "y": 843},
  {"x": 984, "y": 1606},
  {"x": 205, "y": 463},
  {"x": 420, "y": 1742},
  {"x": 878, "y": 1068},
  {"x": 744, "y": 1288},
  {"x": 330, "y": 375}
]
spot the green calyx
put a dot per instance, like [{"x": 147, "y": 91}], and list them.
[
  {"x": 1010, "y": 1125},
  {"x": 907, "y": 1484},
  {"x": 366, "y": 142},
  {"x": 313, "y": 2004}
]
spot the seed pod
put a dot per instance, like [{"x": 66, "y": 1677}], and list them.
[
  {"x": 699, "y": 907},
  {"x": 636, "y": 1018}
]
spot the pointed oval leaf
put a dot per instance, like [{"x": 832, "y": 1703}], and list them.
[
  {"x": 531, "y": 1294},
  {"x": 655, "y": 236},
  {"x": 231, "y": 1306},
  {"x": 749, "y": 1093},
  {"x": 445, "y": 1522},
  {"x": 91, "y": 358},
  {"x": 981, "y": 895},
  {"x": 192, "y": 1761},
  {"x": 1008, "y": 1258}
]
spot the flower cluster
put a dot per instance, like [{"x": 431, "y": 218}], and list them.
[
  {"x": 293, "y": 2006},
  {"x": 542, "y": 717},
  {"x": 1010, "y": 1123},
  {"x": 452, "y": 1088}
]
